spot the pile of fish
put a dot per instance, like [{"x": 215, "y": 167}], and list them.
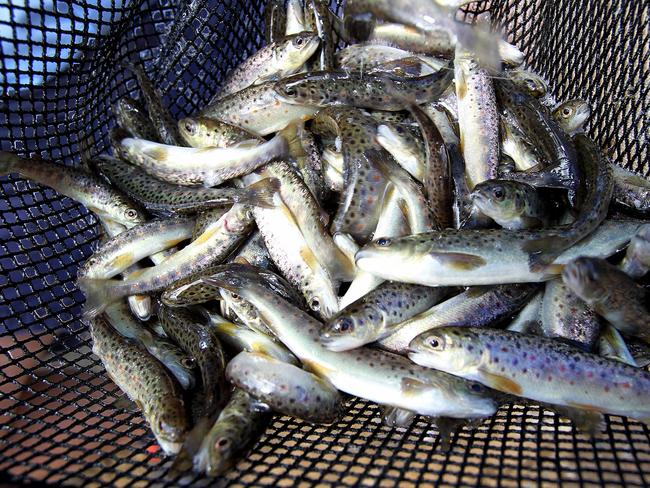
[{"x": 411, "y": 219}]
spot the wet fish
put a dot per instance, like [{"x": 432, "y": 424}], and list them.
[
  {"x": 178, "y": 363},
  {"x": 377, "y": 315},
  {"x": 295, "y": 18},
  {"x": 529, "y": 318},
  {"x": 285, "y": 388},
  {"x": 475, "y": 307},
  {"x": 207, "y": 166},
  {"x": 478, "y": 119},
  {"x": 377, "y": 90},
  {"x": 611, "y": 293},
  {"x": 411, "y": 196},
  {"x": 537, "y": 368},
  {"x": 200, "y": 341},
  {"x": 135, "y": 244},
  {"x": 636, "y": 262},
  {"x": 254, "y": 252},
  {"x": 145, "y": 381},
  {"x": 593, "y": 200},
  {"x": 364, "y": 184},
  {"x": 160, "y": 117},
  {"x": 332, "y": 175},
  {"x": 304, "y": 152},
  {"x": 397, "y": 417},
  {"x": 405, "y": 146},
  {"x": 532, "y": 82},
  {"x": 133, "y": 117},
  {"x": 205, "y": 219},
  {"x": 201, "y": 132},
  {"x": 565, "y": 316},
  {"x": 437, "y": 170},
  {"x": 572, "y": 115},
  {"x": 277, "y": 60},
  {"x": 241, "y": 338},
  {"x": 212, "y": 246},
  {"x": 238, "y": 427},
  {"x": 162, "y": 198},
  {"x": 368, "y": 55},
  {"x": 436, "y": 42},
  {"x": 317, "y": 17},
  {"x": 275, "y": 21},
  {"x": 511, "y": 204},
  {"x": 480, "y": 257},
  {"x": 612, "y": 346},
  {"x": 367, "y": 373},
  {"x": 98, "y": 197},
  {"x": 258, "y": 109},
  {"x": 515, "y": 144},
  {"x": 631, "y": 191}
]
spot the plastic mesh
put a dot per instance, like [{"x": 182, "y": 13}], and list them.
[{"x": 56, "y": 420}]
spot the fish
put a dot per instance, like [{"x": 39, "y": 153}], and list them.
[
  {"x": 317, "y": 17},
  {"x": 376, "y": 91},
  {"x": 145, "y": 381},
  {"x": 611, "y": 345},
  {"x": 567, "y": 317},
  {"x": 557, "y": 152},
  {"x": 212, "y": 246},
  {"x": 200, "y": 341},
  {"x": 631, "y": 191},
  {"x": 593, "y": 200},
  {"x": 178, "y": 363},
  {"x": 483, "y": 306},
  {"x": 371, "y": 374},
  {"x": 254, "y": 252},
  {"x": 437, "y": 170},
  {"x": 274, "y": 61},
  {"x": 209, "y": 166},
  {"x": 369, "y": 55},
  {"x": 436, "y": 42},
  {"x": 392, "y": 222},
  {"x": 332, "y": 176},
  {"x": 101, "y": 199},
  {"x": 133, "y": 117},
  {"x": 377, "y": 315},
  {"x": 572, "y": 115},
  {"x": 258, "y": 109},
  {"x": 611, "y": 293},
  {"x": 285, "y": 388},
  {"x": 364, "y": 184},
  {"x": 241, "y": 338},
  {"x": 307, "y": 215},
  {"x": 405, "y": 146},
  {"x": 237, "y": 428},
  {"x": 126, "y": 249},
  {"x": 511, "y": 204},
  {"x": 295, "y": 18},
  {"x": 304, "y": 151},
  {"x": 160, "y": 117},
  {"x": 537, "y": 368},
  {"x": 275, "y": 21},
  {"x": 478, "y": 119},
  {"x": 530, "y": 81},
  {"x": 201, "y": 132},
  {"x": 636, "y": 261},
  {"x": 162, "y": 198},
  {"x": 411, "y": 196},
  {"x": 515, "y": 144},
  {"x": 480, "y": 257}
]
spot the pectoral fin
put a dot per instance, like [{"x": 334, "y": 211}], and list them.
[
  {"x": 501, "y": 383},
  {"x": 459, "y": 261}
]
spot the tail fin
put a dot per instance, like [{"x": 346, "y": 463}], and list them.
[
  {"x": 261, "y": 194},
  {"x": 291, "y": 135},
  {"x": 99, "y": 294},
  {"x": 8, "y": 161},
  {"x": 189, "y": 455},
  {"x": 510, "y": 54}
]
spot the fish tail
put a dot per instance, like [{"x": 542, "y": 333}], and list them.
[
  {"x": 261, "y": 194},
  {"x": 290, "y": 136},
  {"x": 187, "y": 457},
  {"x": 8, "y": 161},
  {"x": 99, "y": 294}
]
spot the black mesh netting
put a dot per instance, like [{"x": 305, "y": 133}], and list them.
[{"x": 59, "y": 77}]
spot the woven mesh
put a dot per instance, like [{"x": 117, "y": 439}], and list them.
[{"x": 57, "y": 423}]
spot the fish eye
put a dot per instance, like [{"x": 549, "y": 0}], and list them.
[
  {"x": 566, "y": 111},
  {"x": 131, "y": 213},
  {"x": 434, "y": 343},
  {"x": 498, "y": 193},
  {"x": 289, "y": 90},
  {"x": 476, "y": 388},
  {"x": 314, "y": 304},
  {"x": 221, "y": 443},
  {"x": 344, "y": 325},
  {"x": 190, "y": 127},
  {"x": 188, "y": 362},
  {"x": 299, "y": 41},
  {"x": 235, "y": 297},
  {"x": 383, "y": 242}
]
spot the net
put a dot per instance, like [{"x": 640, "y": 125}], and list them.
[{"x": 57, "y": 419}]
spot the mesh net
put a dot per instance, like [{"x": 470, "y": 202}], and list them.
[{"x": 57, "y": 422}]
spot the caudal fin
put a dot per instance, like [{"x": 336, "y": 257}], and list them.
[
  {"x": 99, "y": 294},
  {"x": 261, "y": 194}
]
